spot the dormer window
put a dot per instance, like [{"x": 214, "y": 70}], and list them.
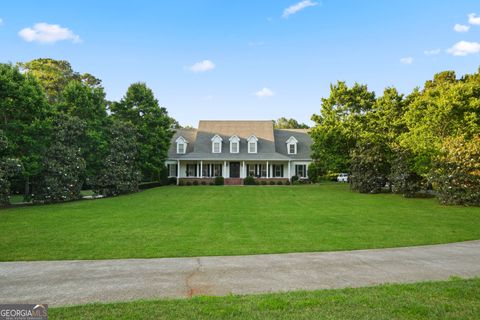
[
  {"x": 252, "y": 144},
  {"x": 234, "y": 144},
  {"x": 292, "y": 145},
  {"x": 217, "y": 144},
  {"x": 181, "y": 145}
]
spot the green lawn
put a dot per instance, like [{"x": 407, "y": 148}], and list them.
[
  {"x": 454, "y": 299},
  {"x": 211, "y": 220}
]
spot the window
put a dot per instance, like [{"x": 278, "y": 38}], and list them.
[
  {"x": 252, "y": 144},
  {"x": 172, "y": 170},
  {"x": 181, "y": 145},
  {"x": 301, "y": 170},
  {"x": 292, "y": 145},
  {"x": 216, "y": 147},
  {"x": 212, "y": 170},
  {"x": 252, "y": 147},
  {"x": 292, "y": 148},
  {"x": 191, "y": 170},
  {"x": 217, "y": 144},
  {"x": 277, "y": 171},
  {"x": 216, "y": 170},
  {"x": 181, "y": 148},
  {"x": 234, "y": 144},
  {"x": 256, "y": 170},
  {"x": 234, "y": 147},
  {"x": 206, "y": 170}
]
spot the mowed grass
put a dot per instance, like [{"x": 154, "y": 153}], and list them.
[
  {"x": 212, "y": 220},
  {"x": 454, "y": 299}
]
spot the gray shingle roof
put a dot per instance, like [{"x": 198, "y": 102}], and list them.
[
  {"x": 271, "y": 142},
  {"x": 304, "y": 145}
]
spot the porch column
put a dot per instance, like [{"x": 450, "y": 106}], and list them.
[
  {"x": 178, "y": 172},
  {"x": 201, "y": 168},
  {"x": 268, "y": 169},
  {"x": 289, "y": 176},
  {"x": 198, "y": 171},
  {"x": 224, "y": 171},
  {"x": 243, "y": 175}
]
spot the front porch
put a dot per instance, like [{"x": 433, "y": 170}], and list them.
[{"x": 235, "y": 171}]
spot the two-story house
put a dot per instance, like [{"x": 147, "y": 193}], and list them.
[{"x": 237, "y": 149}]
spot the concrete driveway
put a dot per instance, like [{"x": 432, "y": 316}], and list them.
[{"x": 77, "y": 282}]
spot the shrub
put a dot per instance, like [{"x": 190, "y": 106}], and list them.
[
  {"x": 280, "y": 183},
  {"x": 149, "y": 185},
  {"x": 456, "y": 171},
  {"x": 402, "y": 178},
  {"x": 219, "y": 181},
  {"x": 211, "y": 183},
  {"x": 272, "y": 182},
  {"x": 189, "y": 183},
  {"x": 294, "y": 178},
  {"x": 181, "y": 183},
  {"x": 172, "y": 180},
  {"x": 263, "y": 183},
  {"x": 250, "y": 181},
  {"x": 195, "y": 182},
  {"x": 203, "y": 183},
  {"x": 369, "y": 167},
  {"x": 287, "y": 183},
  {"x": 315, "y": 172}
]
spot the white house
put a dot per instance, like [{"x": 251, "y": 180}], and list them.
[{"x": 237, "y": 149}]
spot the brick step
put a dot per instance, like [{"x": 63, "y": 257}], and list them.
[{"x": 233, "y": 181}]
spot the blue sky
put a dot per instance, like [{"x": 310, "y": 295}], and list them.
[{"x": 246, "y": 59}]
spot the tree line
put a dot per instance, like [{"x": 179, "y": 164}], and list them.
[
  {"x": 427, "y": 139},
  {"x": 59, "y": 134}
]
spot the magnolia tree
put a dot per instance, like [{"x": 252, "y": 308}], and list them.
[
  {"x": 63, "y": 165},
  {"x": 120, "y": 173},
  {"x": 369, "y": 167},
  {"x": 456, "y": 172},
  {"x": 8, "y": 168}
]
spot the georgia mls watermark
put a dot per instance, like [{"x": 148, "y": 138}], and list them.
[{"x": 23, "y": 311}]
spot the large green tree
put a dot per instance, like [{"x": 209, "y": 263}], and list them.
[
  {"x": 24, "y": 119},
  {"x": 445, "y": 107},
  {"x": 140, "y": 108},
  {"x": 63, "y": 168},
  {"x": 284, "y": 123},
  {"x": 54, "y": 75},
  {"x": 120, "y": 173},
  {"x": 339, "y": 125},
  {"x": 88, "y": 104}
]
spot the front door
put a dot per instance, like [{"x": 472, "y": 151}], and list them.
[{"x": 234, "y": 169}]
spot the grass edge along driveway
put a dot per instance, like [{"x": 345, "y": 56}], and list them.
[{"x": 453, "y": 299}]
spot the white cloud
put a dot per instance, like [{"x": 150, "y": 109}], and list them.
[
  {"x": 298, "y": 7},
  {"x": 1, "y": 22},
  {"x": 461, "y": 28},
  {"x": 407, "y": 60},
  {"x": 265, "y": 92},
  {"x": 48, "y": 33},
  {"x": 202, "y": 66},
  {"x": 464, "y": 48},
  {"x": 432, "y": 52},
  {"x": 473, "y": 19}
]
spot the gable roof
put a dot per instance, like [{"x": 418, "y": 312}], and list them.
[
  {"x": 188, "y": 134},
  {"x": 263, "y": 130},
  {"x": 271, "y": 143},
  {"x": 304, "y": 145}
]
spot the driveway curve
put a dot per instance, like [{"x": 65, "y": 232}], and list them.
[{"x": 83, "y": 281}]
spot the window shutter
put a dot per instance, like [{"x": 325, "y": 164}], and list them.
[{"x": 281, "y": 170}]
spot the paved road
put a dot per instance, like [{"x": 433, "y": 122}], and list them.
[{"x": 76, "y": 282}]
